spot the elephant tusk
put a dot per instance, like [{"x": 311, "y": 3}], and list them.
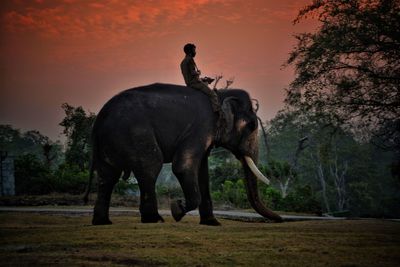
[{"x": 256, "y": 171}]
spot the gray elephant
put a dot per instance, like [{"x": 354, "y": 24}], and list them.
[{"x": 141, "y": 128}]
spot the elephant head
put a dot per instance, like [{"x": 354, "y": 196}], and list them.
[{"x": 240, "y": 136}]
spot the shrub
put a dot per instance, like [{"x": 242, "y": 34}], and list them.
[
  {"x": 70, "y": 179},
  {"x": 170, "y": 192},
  {"x": 272, "y": 197},
  {"x": 228, "y": 171},
  {"x": 232, "y": 192},
  {"x": 301, "y": 199},
  {"x": 128, "y": 187},
  {"x": 32, "y": 176}
]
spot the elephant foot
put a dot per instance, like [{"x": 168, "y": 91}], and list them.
[
  {"x": 177, "y": 210},
  {"x": 210, "y": 221},
  {"x": 101, "y": 221},
  {"x": 155, "y": 218}
]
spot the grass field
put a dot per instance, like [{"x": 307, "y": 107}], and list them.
[{"x": 36, "y": 239}]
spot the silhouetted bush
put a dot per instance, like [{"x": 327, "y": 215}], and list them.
[
  {"x": 128, "y": 187},
  {"x": 32, "y": 176},
  {"x": 69, "y": 178},
  {"x": 227, "y": 171},
  {"x": 170, "y": 192},
  {"x": 232, "y": 193},
  {"x": 301, "y": 199},
  {"x": 272, "y": 198}
]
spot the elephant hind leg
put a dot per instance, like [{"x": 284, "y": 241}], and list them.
[
  {"x": 107, "y": 178},
  {"x": 147, "y": 174}
]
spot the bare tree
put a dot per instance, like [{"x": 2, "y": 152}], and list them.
[
  {"x": 217, "y": 79},
  {"x": 293, "y": 166},
  {"x": 263, "y": 130},
  {"x": 339, "y": 177},
  {"x": 47, "y": 149},
  {"x": 229, "y": 82},
  {"x": 320, "y": 175},
  {"x": 283, "y": 172}
]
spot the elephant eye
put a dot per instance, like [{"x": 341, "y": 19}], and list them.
[{"x": 252, "y": 125}]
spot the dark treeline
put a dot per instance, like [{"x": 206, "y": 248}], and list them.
[
  {"x": 43, "y": 166},
  {"x": 343, "y": 108},
  {"x": 314, "y": 167}
]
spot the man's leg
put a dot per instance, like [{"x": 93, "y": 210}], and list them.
[{"x": 212, "y": 95}]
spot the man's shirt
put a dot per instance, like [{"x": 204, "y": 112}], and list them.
[{"x": 189, "y": 70}]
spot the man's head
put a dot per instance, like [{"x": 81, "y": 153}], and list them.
[{"x": 190, "y": 50}]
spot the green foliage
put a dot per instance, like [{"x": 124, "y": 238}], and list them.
[
  {"x": 284, "y": 130},
  {"x": 373, "y": 199},
  {"x": 348, "y": 69},
  {"x": 301, "y": 199},
  {"x": 170, "y": 192},
  {"x": 129, "y": 186},
  {"x": 77, "y": 127},
  {"x": 272, "y": 198},
  {"x": 356, "y": 173},
  {"x": 230, "y": 170},
  {"x": 32, "y": 176},
  {"x": 361, "y": 200},
  {"x": 232, "y": 192},
  {"x": 278, "y": 170},
  {"x": 38, "y": 168},
  {"x": 18, "y": 143},
  {"x": 70, "y": 179}
]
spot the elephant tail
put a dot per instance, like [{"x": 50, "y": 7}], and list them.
[{"x": 91, "y": 171}]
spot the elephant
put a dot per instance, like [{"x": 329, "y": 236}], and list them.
[{"x": 141, "y": 128}]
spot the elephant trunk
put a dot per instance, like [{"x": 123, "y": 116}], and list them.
[{"x": 251, "y": 174}]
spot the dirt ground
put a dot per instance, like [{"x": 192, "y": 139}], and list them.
[{"x": 28, "y": 239}]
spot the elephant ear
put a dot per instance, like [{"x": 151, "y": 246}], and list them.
[{"x": 227, "y": 111}]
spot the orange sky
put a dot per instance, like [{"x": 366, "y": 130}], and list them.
[{"x": 83, "y": 52}]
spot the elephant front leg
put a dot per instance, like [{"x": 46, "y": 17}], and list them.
[{"x": 206, "y": 207}]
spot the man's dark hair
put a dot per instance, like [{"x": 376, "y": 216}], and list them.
[{"x": 188, "y": 48}]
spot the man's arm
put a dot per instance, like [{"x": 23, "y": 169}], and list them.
[{"x": 192, "y": 68}]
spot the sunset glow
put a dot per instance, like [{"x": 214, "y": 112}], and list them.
[{"x": 84, "y": 52}]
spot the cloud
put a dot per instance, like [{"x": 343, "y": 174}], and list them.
[
  {"x": 114, "y": 22},
  {"x": 77, "y": 19},
  {"x": 104, "y": 35}
]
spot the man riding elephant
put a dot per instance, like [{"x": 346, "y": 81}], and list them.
[
  {"x": 191, "y": 74},
  {"x": 140, "y": 129}
]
